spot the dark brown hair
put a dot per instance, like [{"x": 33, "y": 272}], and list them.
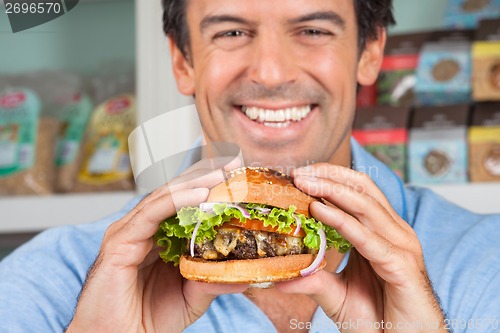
[{"x": 371, "y": 15}]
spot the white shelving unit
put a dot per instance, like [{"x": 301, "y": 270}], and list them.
[{"x": 481, "y": 198}]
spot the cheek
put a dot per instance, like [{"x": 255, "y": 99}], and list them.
[
  {"x": 218, "y": 69},
  {"x": 334, "y": 68}
]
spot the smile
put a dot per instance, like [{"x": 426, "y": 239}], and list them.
[{"x": 280, "y": 118}]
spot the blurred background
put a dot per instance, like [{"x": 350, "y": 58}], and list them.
[{"x": 73, "y": 89}]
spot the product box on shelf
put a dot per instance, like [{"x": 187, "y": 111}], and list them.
[
  {"x": 467, "y": 13},
  {"x": 366, "y": 96},
  {"x": 383, "y": 131},
  {"x": 486, "y": 62},
  {"x": 444, "y": 69},
  {"x": 438, "y": 145},
  {"x": 397, "y": 79},
  {"x": 484, "y": 143}
]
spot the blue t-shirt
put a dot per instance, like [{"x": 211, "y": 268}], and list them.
[{"x": 40, "y": 281}]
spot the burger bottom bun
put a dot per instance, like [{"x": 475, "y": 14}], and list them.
[{"x": 262, "y": 270}]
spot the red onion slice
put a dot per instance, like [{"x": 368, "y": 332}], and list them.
[
  {"x": 243, "y": 211},
  {"x": 193, "y": 237},
  {"x": 208, "y": 207},
  {"x": 262, "y": 210},
  {"x": 299, "y": 224},
  {"x": 319, "y": 257}
]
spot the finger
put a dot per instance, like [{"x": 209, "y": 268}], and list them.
[
  {"x": 152, "y": 257},
  {"x": 195, "y": 179},
  {"x": 226, "y": 163},
  {"x": 199, "y": 295},
  {"x": 143, "y": 225},
  {"x": 176, "y": 294},
  {"x": 131, "y": 241},
  {"x": 200, "y": 174},
  {"x": 360, "y": 205},
  {"x": 359, "y": 181},
  {"x": 369, "y": 244},
  {"x": 207, "y": 166}
]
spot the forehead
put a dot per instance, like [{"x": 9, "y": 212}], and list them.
[{"x": 276, "y": 10}]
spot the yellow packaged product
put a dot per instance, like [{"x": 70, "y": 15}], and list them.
[{"x": 106, "y": 163}]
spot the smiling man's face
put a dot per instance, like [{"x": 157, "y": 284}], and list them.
[{"x": 277, "y": 77}]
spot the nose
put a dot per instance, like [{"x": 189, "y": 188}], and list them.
[{"x": 273, "y": 62}]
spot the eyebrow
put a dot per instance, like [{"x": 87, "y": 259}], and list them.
[
  {"x": 330, "y": 16},
  {"x": 216, "y": 19}
]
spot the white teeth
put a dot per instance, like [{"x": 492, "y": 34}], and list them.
[
  {"x": 269, "y": 115},
  {"x": 279, "y": 115},
  {"x": 276, "y": 118},
  {"x": 303, "y": 114},
  {"x": 252, "y": 113},
  {"x": 262, "y": 116}
]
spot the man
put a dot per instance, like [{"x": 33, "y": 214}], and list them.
[{"x": 279, "y": 79}]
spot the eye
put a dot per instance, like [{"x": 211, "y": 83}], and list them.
[
  {"x": 314, "y": 36},
  {"x": 230, "y": 34},
  {"x": 315, "y": 32},
  {"x": 232, "y": 39}
]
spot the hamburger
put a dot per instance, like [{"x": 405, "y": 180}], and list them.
[{"x": 254, "y": 228}]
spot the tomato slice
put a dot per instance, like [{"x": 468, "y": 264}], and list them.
[{"x": 258, "y": 225}]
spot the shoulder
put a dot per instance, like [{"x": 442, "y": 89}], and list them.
[
  {"x": 40, "y": 281},
  {"x": 431, "y": 215},
  {"x": 461, "y": 253}
]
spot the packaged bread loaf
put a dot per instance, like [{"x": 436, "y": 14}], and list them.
[
  {"x": 26, "y": 144},
  {"x": 63, "y": 99},
  {"x": 74, "y": 116},
  {"x": 106, "y": 163}
]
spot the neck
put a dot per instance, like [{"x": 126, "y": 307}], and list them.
[{"x": 342, "y": 155}]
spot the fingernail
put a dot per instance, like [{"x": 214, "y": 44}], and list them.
[
  {"x": 201, "y": 191},
  {"x": 319, "y": 205}
]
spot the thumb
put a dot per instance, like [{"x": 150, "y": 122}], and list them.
[
  {"x": 199, "y": 295},
  {"x": 327, "y": 289}
]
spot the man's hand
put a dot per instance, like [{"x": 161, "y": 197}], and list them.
[
  {"x": 129, "y": 288},
  {"x": 385, "y": 283}
]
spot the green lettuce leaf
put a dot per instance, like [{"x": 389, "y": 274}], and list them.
[{"x": 174, "y": 233}]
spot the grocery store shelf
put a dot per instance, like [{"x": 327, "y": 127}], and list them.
[
  {"x": 28, "y": 214},
  {"x": 478, "y": 197}
]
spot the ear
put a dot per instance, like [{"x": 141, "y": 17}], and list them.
[
  {"x": 183, "y": 70},
  {"x": 371, "y": 59}
]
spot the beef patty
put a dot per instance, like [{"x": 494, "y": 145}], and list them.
[{"x": 237, "y": 243}]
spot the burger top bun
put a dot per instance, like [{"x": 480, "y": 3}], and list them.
[{"x": 263, "y": 186}]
